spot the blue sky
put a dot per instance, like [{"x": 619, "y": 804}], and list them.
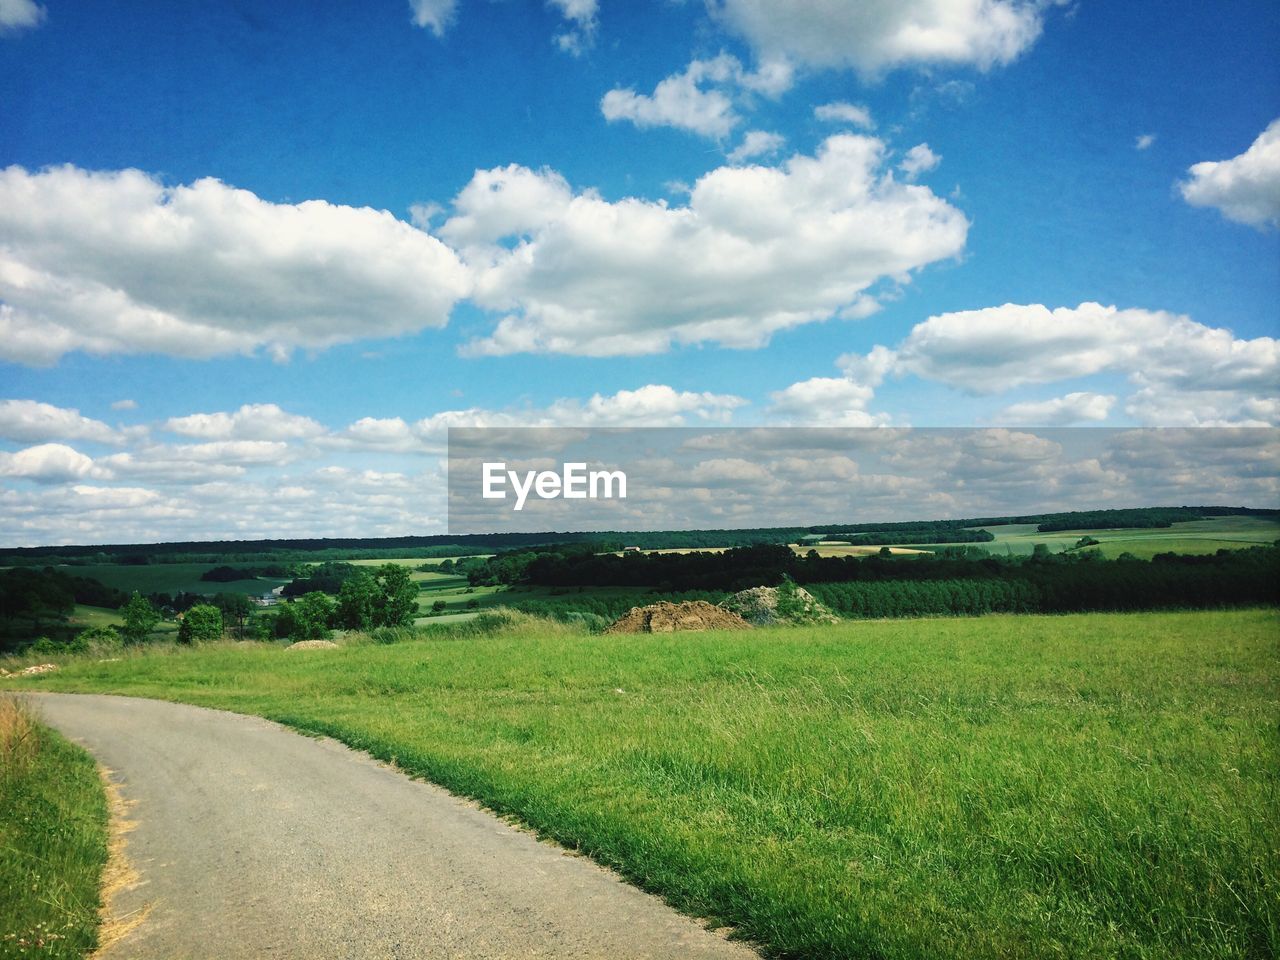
[{"x": 929, "y": 213}]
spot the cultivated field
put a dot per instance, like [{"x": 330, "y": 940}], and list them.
[
  {"x": 1195, "y": 536},
  {"x": 1007, "y": 786},
  {"x": 168, "y": 578}
]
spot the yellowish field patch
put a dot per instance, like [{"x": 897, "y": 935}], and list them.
[{"x": 852, "y": 550}]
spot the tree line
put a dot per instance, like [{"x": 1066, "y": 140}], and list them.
[
  {"x": 453, "y": 545},
  {"x": 959, "y": 581}
]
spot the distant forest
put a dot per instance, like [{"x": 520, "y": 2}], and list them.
[
  {"x": 916, "y": 532},
  {"x": 958, "y": 581}
]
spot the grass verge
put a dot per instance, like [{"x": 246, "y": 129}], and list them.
[
  {"x": 53, "y": 839},
  {"x": 1101, "y": 785}
]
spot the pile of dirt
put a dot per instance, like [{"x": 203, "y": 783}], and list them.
[
  {"x": 760, "y": 606},
  {"x": 29, "y": 671},
  {"x": 313, "y": 645},
  {"x": 666, "y": 617}
]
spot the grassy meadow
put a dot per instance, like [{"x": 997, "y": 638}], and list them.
[
  {"x": 53, "y": 840},
  {"x": 1102, "y": 785},
  {"x": 1194, "y": 536},
  {"x": 168, "y": 578}
]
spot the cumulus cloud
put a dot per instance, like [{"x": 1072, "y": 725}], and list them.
[
  {"x": 840, "y": 111},
  {"x": 1246, "y": 188},
  {"x": 18, "y": 15},
  {"x": 119, "y": 263},
  {"x": 826, "y": 401},
  {"x": 679, "y": 101},
  {"x": 510, "y": 201},
  {"x": 1075, "y": 407},
  {"x": 701, "y": 99},
  {"x": 757, "y": 143},
  {"x": 48, "y": 463},
  {"x": 434, "y": 15},
  {"x": 1186, "y": 373},
  {"x": 997, "y": 348},
  {"x": 919, "y": 159},
  {"x": 1144, "y": 141},
  {"x": 653, "y": 405},
  {"x": 756, "y": 250},
  {"x": 125, "y": 404},
  {"x": 876, "y": 35},
  {"x": 30, "y": 421},
  {"x": 253, "y": 421}
]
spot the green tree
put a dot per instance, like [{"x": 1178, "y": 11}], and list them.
[
  {"x": 236, "y": 609},
  {"x": 140, "y": 618},
  {"x": 399, "y": 596},
  {"x": 359, "y": 603},
  {"x": 201, "y": 624},
  {"x": 283, "y": 623},
  {"x": 311, "y": 616}
]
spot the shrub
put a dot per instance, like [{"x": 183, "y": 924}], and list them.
[
  {"x": 201, "y": 624},
  {"x": 100, "y": 638}
]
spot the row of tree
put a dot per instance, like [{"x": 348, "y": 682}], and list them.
[
  {"x": 446, "y": 545},
  {"x": 955, "y": 581}
]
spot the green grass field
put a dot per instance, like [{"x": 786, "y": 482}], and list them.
[
  {"x": 167, "y": 578},
  {"x": 53, "y": 840},
  {"x": 1196, "y": 536},
  {"x": 1076, "y": 786}
]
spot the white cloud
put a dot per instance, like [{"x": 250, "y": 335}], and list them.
[
  {"x": 840, "y": 111},
  {"x": 164, "y": 465},
  {"x": 756, "y": 250},
  {"x": 680, "y": 101},
  {"x": 253, "y": 421},
  {"x": 31, "y": 421},
  {"x": 701, "y": 99},
  {"x": 118, "y": 263},
  {"x": 826, "y": 401},
  {"x": 511, "y": 201},
  {"x": 434, "y": 15},
  {"x": 876, "y": 35},
  {"x": 1060, "y": 411},
  {"x": 653, "y": 405},
  {"x": 1186, "y": 374},
  {"x": 919, "y": 159},
  {"x": 581, "y": 30},
  {"x": 997, "y": 348},
  {"x": 757, "y": 143},
  {"x": 125, "y": 404},
  {"x": 1246, "y": 188},
  {"x": 225, "y": 451},
  {"x": 48, "y": 463},
  {"x": 1144, "y": 141},
  {"x": 18, "y": 15}
]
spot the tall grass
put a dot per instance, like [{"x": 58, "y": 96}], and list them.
[
  {"x": 53, "y": 840},
  {"x": 1102, "y": 785}
]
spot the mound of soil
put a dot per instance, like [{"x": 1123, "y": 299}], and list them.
[
  {"x": 313, "y": 645},
  {"x": 667, "y": 617},
  {"x": 759, "y": 606}
]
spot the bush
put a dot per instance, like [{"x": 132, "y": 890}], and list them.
[
  {"x": 201, "y": 624},
  {"x": 100, "y": 638}
]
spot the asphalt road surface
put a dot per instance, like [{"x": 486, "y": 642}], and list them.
[{"x": 252, "y": 841}]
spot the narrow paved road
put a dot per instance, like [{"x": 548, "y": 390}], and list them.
[{"x": 253, "y": 841}]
